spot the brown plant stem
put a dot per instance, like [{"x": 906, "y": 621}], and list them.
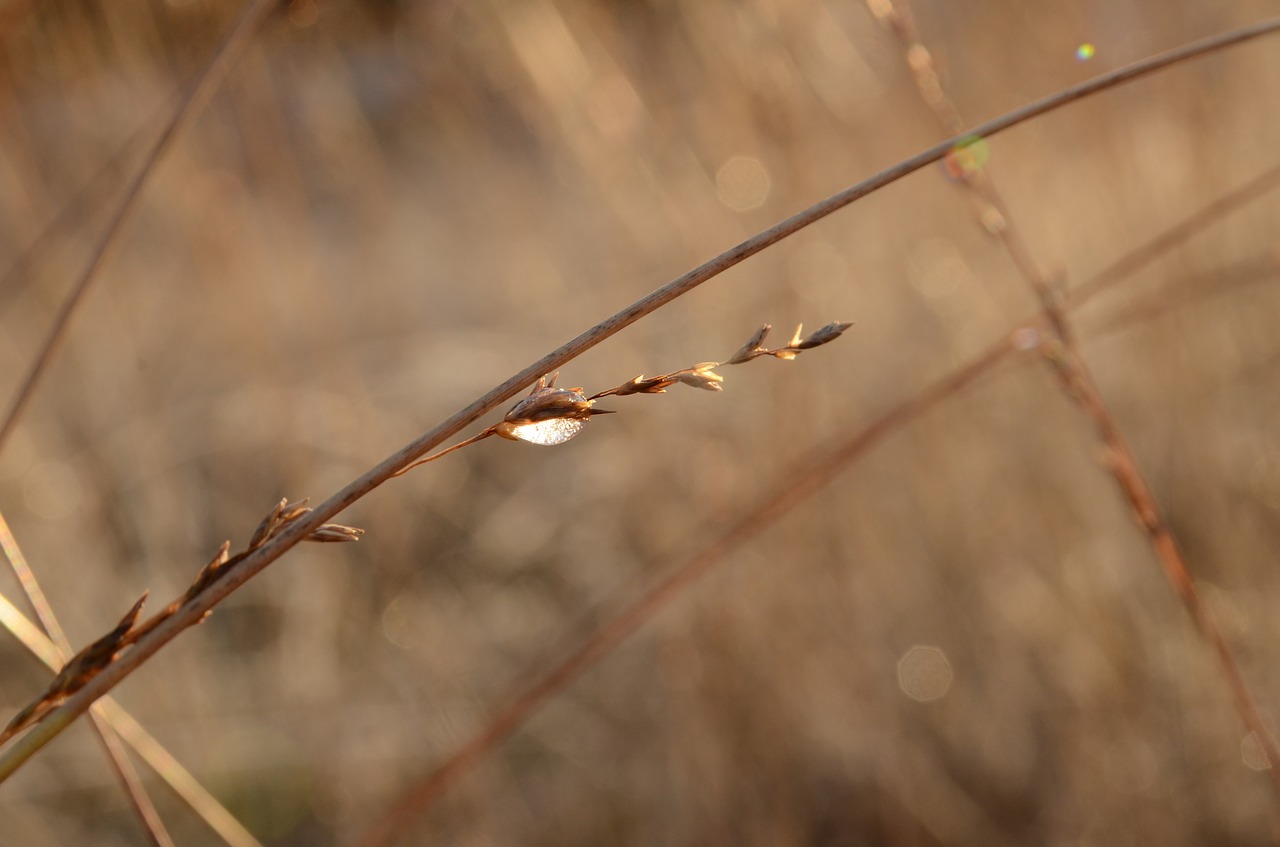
[
  {"x": 143, "y": 743},
  {"x": 1064, "y": 354},
  {"x": 816, "y": 474},
  {"x": 148, "y": 817},
  {"x": 1123, "y": 465},
  {"x": 206, "y": 81},
  {"x": 419, "y": 797},
  {"x": 12, "y": 757},
  {"x": 1255, "y": 271},
  {"x": 480, "y": 436},
  {"x": 1136, "y": 260},
  {"x": 520, "y": 707},
  {"x": 78, "y": 209}
]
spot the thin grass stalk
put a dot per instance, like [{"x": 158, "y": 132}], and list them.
[
  {"x": 1135, "y": 261},
  {"x": 27, "y": 745},
  {"x": 418, "y": 798},
  {"x": 111, "y": 721},
  {"x": 150, "y": 750},
  {"x": 1260, "y": 270},
  {"x": 815, "y": 476},
  {"x": 118, "y": 757},
  {"x": 1078, "y": 383},
  {"x": 83, "y": 203},
  {"x": 148, "y": 816},
  {"x": 201, "y": 89}
]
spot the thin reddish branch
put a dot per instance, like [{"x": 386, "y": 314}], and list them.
[
  {"x": 521, "y": 706},
  {"x": 206, "y": 81},
  {"x": 816, "y": 474},
  {"x": 1076, "y": 380},
  {"x": 27, "y": 745}
]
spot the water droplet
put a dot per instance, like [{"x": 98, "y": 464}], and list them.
[{"x": 550, "y": 431}]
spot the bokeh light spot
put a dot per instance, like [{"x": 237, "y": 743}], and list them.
[
  {"x": 966, "y": 157},
  {"x": 1085, "y": 52},
  {"x": 399, "y": 623},
  {"x": 1026, "y": 339},
  {"x": 742, "y": 183},
  {"x": 1253, "y": 754},
  {"x": 924, "y": 674}
]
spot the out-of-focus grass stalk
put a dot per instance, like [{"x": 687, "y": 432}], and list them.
[
  {"x": 1063, "y": 352},
  {"x": 111, "y": 720},
  {"x": 27, "y": 745},
  {"x": 782, "y": 498}
]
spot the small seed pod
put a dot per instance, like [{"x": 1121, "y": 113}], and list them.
[{"x": 549, "y": 415}]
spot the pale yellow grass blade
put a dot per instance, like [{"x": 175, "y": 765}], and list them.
[{"x": 143, "y": 743}]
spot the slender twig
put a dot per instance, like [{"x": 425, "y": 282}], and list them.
[
  {"x": 27, "y": 745},
  {"x": 1063, "y": 353},
  {"x": 206, "y": 81},
  {"x": 1149, "y": 251},
  {"x": 551, "y": 415}
]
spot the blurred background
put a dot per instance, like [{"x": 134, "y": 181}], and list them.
[{"x": 390, "y": 207}]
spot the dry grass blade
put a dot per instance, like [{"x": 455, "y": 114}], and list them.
[
  {"x": 1134, "y": 261},
  {"x": 1123, "y": 465},
  {"x": 26, "y": 746},
  {"x": 80, "y": 207},
  {"x": 551, "y": 415},
  {"x": 152, "y": 824},
  {"x": 1025, "y": 337},
  {"x": 1260, "y": 270},
  {"x": 95, "y": 658},
  {"x": 1074, "y": 376},
  {"x": 76, "y": 673},
  {"x": 703, "y": 375},
  {"x": 144, "y": 744},
  {"x": 279, "y": 517},
  {"x": 780, "y": 500},
  {"x": 206, "y": 81},
  {"x": 60, "y": 648}
]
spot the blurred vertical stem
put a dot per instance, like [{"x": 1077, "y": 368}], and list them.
[
  {"x": 108, "y": 711},
  {"x": 423, "y": 793},
  {"x": 1063, "y": 353},
  {"x": 118, "y": 757},
  {"x": 23, "y": 748},
  {"x": 198, "y": 94},
  {"x": 254, "y": 12}
]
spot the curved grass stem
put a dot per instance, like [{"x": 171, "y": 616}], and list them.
[{"x": 24, "y": 747}]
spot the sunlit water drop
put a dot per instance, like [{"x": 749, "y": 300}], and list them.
[{"x": 548, "y": 432}]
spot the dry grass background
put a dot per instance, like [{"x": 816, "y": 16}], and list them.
[{"x": 391, "y": 206}]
